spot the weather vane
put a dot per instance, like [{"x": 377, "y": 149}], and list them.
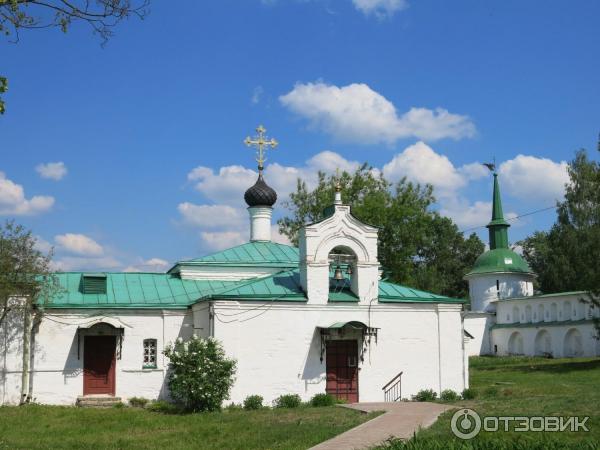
[
  {"x": 262, "y": 143},
  {"x": 491, "y": 166}
]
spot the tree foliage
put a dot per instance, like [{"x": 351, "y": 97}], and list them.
[
  {"x": 417, "y": 246},
  {"x": 200, "y": 374},
  {"x": 565, "y": 258},
  {"x": 26, "y": 280},
  {"x": 101, "y": 15}
]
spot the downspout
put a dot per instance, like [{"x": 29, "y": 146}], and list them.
[
  {"x": 437, "y": 310},
  {"x": 26, "y": 356}
]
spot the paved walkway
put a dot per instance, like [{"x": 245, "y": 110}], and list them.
[{"x": 401, "y": 420}]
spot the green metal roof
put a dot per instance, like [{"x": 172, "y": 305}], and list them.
[
  {"x": 499, "y": 260},
  {"x": 266, "y": 254},
  {"x": 135, "y": 290},
  {"x": 284, "y": 286},
  {"x": 396, "y": 293}
]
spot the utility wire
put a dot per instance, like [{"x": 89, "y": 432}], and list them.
[{"x": 513, "y": 218}]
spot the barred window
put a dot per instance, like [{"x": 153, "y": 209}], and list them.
[{"x": 149, "y": 353}]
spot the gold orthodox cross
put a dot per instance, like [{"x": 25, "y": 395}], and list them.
[{"x": 262, "y": 143}]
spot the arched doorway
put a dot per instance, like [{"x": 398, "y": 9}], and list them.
[
  {"x": 573, "y": 345},
  {"x": 515, "y": 344},
  {"x": 543, "y": 344}
]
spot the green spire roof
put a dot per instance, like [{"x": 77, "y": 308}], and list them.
[
  {"x": 498, "y": 227},
  {"x": 499, "y": 258}
]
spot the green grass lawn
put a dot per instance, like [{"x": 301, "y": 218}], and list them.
[
  {"x": 522, "y": 386},
  {"x": 35, "y": 427}
]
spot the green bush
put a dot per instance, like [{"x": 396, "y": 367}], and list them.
[
  {"x": 425, "y": 395},
  {"x": 323, "y": 400},
  {"x": 161, "y": 406},
  {"x": 490, "y": 392},
  {"x": 468, "y": 394},
  {"x": 288, "y": 401},
  {"x": 253, "y": 402},
  {"x": 200, "y": 374},
  {"x": 119, "y": 405},
  {"x": 138, "y": 402},
  {"x": 448, "y": 395}
]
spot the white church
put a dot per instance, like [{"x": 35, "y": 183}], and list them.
[
  {"x": 304, "y": 320},
  {"x": 507, "y": 318}
]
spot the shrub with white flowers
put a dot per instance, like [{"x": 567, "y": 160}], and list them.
[{"x": 200, "y": 374}]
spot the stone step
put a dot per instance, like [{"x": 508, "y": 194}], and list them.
[{"x": 92, "y": 401}]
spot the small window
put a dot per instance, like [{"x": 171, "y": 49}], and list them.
[{"x": 150, "y": 353}]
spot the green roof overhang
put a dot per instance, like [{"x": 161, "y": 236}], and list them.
[{"x": 352, "y": 323}]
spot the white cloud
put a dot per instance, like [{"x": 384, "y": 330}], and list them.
[
  {"x": 474, "y": 171},
  {"x": 210, "y": 216},
  {"x": 14, "y": 202},
  {"x": 150, "y": 265},
  {"x": 53, "y": 170},
  {"x": 257, "y": 94},
  {"x": 229, "y": 183},
  {"x": 356, "y": 113},
  {"x": 42, "y": 245},
  {"x": 219, "y": 240},
  {"x": 467, "y": 215},
  {"x": 421, "y": 164},
  {"x": 380, "y": 8},
  {"x": 227, "y": 186},
  {"x": 78, "y": 244},
  {"x": 534, "y": 179},
  {"x": 79, "y": 263}
]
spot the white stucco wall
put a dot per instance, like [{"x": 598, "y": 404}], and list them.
[
  {"x": 478, "y": 325},
  {"x": 57, "y": 372},
  {"x": 277, "y": 346},
  {"x": 483, "y": 289}
]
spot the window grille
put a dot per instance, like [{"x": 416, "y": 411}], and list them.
[{"x": 150, "y": 353}]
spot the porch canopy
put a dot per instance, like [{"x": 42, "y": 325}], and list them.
[{"x": 338, "y": 329}]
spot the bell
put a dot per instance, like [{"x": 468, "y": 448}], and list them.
[
  {"x": 338, "y": 275},
  {"x": 349, "y": 270}
]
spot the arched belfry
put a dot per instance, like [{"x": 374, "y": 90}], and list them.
[{"x": 339, "y": 251}]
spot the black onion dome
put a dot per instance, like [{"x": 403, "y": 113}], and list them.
[{"x": 261, "y": 194}]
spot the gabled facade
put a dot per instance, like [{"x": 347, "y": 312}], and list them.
[{"x": 301, "y": 320}]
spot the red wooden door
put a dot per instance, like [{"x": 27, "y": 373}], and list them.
[
  {"x": 342, "y": 370},
  {"x": 99, "y": 365}
]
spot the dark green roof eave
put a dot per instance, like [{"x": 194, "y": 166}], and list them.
[
  {"x": 421, "y": 300},
  {"x": 553, "y": 323},
  {"x": 114, "y": 306}
]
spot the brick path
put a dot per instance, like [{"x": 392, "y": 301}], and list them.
[{"x": 401, "y": 420}]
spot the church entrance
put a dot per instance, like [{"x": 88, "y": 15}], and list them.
[
  {"x": 99, "y": 365},
  {"x": 342, "y": 369}
]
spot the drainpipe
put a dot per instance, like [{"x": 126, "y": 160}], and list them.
[{"x": 25, "y": 398}]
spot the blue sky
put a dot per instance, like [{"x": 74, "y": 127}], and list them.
[{"x": 149, "y": 128}]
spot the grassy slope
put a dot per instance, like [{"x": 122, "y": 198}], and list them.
[
  {"x": 34, "y": 427},
  {"x": 521, "y": 386}
]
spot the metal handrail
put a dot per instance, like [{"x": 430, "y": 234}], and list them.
[
  {"x": 392, "y": 380},
  {"x": 392, "y": 391}
]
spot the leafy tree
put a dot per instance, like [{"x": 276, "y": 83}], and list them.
[
  {"x": 565, "y": 258},
  {"x": 101, "y": 15},
  {"x": 417, "y": 246},
  {"x": 26, "y": 281},
  {"x": 200, "y": 374},
  {"x": 3, "y": 89}
]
